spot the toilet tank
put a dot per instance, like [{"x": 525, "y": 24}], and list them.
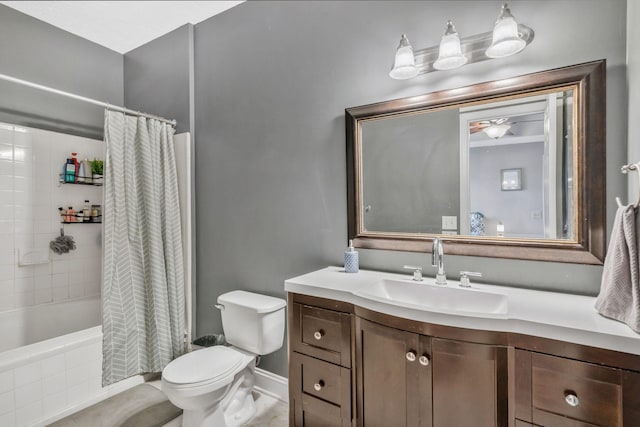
[{"x": 253, "y": 322}]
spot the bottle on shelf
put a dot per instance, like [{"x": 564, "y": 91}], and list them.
[
  {"x": 95, "y": 213},
  {"x": 70, "y": 171},
  {"x": 77, "y": 165},
  {"x": 86, "y": 212},
  {"x": 71, "y": 215},
  {"x": 81, "y": 178},
  {"x": 86, "y": 166}
]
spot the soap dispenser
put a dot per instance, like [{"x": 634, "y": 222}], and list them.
[{"x": 351, "y": 261}]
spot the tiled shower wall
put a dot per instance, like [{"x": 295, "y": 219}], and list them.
[{"x": 30, "y": 194}]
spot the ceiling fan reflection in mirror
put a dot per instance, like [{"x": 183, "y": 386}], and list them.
[
  {"x": 498, "y": 127},
  {"x": 494, "y": 128}
]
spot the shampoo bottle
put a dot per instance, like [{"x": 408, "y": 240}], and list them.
[
  {"x": 80, "y": 177},
  {"x": 351, "y": 261},
  {"x": 86, "y": 166},
  {"x": 70, "y": 171},
  {"x": 76, "y": 163}
]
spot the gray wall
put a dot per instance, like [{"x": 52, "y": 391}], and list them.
[
  {"x": 272, "y": 82},
  {"x": 41, "y": 53},
  {"x": 513, "y": 208},
  {"x": 403, "y": 159},
  {"x": 158, "y": 77},
  {"x": 633, "y": 77}
]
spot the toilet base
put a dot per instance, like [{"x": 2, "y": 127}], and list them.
[
  {"x": 245, "y": 413},
  {"x": 234, "y": 410}
]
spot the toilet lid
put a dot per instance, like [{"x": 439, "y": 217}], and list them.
[{"x": 203, "y": 365}]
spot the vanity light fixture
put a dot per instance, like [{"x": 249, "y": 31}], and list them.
[
  {"x": 450, "y": 53},
  {"x": 496, "y": 131},
  {"x": 507, "y": 38},
  {"x": 404, "y": 67}
]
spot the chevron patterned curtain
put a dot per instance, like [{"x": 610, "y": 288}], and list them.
[{"x": 143, "y": 280}]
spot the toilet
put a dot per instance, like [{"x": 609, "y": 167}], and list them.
[{"x": 213, "y": 386}]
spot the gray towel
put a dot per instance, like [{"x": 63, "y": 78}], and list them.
[{"x": 619, "y": 297}]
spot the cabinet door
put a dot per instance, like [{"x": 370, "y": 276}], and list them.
[
  {"x": 469, "y": 384},
  {"x": 391, "y": 377}
]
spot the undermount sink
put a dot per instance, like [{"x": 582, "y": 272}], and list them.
[{"x": 436, "y": 298}]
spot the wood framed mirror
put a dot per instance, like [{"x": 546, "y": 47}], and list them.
[{"x": 512, "y": 168}]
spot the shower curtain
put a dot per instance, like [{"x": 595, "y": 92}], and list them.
[{"x": 143, "y": 280}]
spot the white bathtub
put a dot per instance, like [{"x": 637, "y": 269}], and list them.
[
  {"x": 32, "y": 324},
  {"x": 51, "y": 378}
]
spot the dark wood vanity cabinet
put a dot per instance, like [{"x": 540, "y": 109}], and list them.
[
  {"x": 393, "y": 376},
  {"x": 350, "y": 366},
  {"x": 409, "y": 379},
  {"x": 556, "y": 391},
  {"x": 320, "y": 360}
]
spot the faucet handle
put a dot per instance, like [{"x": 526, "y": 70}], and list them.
[
  {"x": 417, "y": 272},
  {"x": 464, "y": 278}
]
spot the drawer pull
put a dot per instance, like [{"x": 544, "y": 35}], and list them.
[
  {"x": 318, "y": 386},
  {"x": 424, "y": 360},
  {"x": 411, "y": 356},
  {"x": 318, "y": 334},
  {"x": 571, "y": 398}
]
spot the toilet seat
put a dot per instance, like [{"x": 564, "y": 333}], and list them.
[{"x": 211, "y": 367}]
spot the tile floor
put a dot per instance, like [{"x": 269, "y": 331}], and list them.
[{"x": 271, "y": 412}]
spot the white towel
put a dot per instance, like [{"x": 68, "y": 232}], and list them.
[{"x": 619, "y": 297}]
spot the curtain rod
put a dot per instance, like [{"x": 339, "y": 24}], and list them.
[{"x": 85, "y": 99}]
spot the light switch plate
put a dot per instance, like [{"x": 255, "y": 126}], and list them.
[{"x": 449, "y": 222}]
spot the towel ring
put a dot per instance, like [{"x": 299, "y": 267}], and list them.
[{"x": 625, "y": 169}]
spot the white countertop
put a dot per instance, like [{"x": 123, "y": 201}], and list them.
[{"x": 564, "y": 317}]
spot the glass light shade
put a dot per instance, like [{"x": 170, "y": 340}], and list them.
[
  {"x": 450, "y": 55},
  {"x": 506, "y": 40},
  {"x": 404, "y": 66},
  {"x": 496, "y": 131}
]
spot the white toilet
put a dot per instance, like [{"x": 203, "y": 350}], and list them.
[{"x": 213, "y": 385}]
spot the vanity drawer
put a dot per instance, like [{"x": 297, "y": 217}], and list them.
[
  {"x": 321, "y": 333},
  {"x": 320, "y": 391},
  {"x": 315, "y": 412},
  {"x": 571, "y": 393},
  {"x": 323, "y": 380}
]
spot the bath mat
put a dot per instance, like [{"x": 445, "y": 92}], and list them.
[{"x": 140, "y": 406}]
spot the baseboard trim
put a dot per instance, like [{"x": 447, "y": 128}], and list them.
[{"x": 272, "y": 385}]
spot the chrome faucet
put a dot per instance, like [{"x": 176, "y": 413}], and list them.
[{"x": 437, "y": 260}]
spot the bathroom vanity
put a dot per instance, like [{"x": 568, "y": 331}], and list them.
[{"x": 365, "y": 357}]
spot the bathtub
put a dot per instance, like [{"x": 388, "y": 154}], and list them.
[
  {"x": 43, "y": 381},
  {"x": 37, "y": 323}
]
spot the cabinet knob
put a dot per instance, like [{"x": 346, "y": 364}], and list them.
[
  {"x": 318, "y": 386},
  {"x": 424, "y": 360},
  {"x": 411, "y": 356},
  {"x": 318, "y": 334},
  {"x": 571, "y": 398}
]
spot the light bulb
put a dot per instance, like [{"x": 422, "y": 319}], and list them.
[
  {"x": 404, "y": 66},
  {"x": 496, "y": 131},
  {"x": 450, "y": 54},
  {"x": 506, "y": 40}
]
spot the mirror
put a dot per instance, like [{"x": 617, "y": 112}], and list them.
[{"x": 511, "y": 168}]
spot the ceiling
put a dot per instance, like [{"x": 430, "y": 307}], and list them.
[{"x": 120, "y": 25}]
